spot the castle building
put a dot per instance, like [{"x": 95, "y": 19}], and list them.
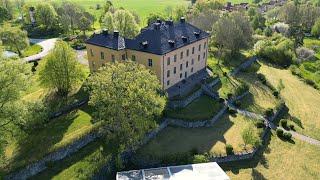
[{"x": 173, "y": 51}]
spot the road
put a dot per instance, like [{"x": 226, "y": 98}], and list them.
[{"x": 46, "y": 44}]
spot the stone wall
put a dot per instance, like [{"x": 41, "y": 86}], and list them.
[
  {"x": 184, "y": 102},
  {"x": 37, "y": 167}
]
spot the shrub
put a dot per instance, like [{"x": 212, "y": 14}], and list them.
[
  {"x": 260, "y": 124},
  {"x": 284, "y": 123},
  {"x": 229, "y": 149},
  {"x": 229, "y": 95},
  {"x": 221, "y": 100},
  {"x": 199, "y": 158},
  {"x": 287, "y": 135},
  {"x": 232, "y": 111},
  {"x": 279, "y": 132},
  {"x": 237, "y": 103},
  {"x": 275, "y": 94},
  {"x": 310, "y": 82},
  {"x": 291, "y": 126},
  {"x": 269, "y": 112},
  {"x": 304, "y": 54},
  {"x": 262, "y": 78}
]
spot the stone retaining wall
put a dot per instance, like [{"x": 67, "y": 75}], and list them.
[
  {"x": 37, "y": 167},
  {"x": 184, "y": 102}
]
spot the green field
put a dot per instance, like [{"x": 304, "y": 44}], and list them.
[
  {"x": 226, "y": 130},
  {"x": 142, "y": 7},
  {"x": 280, "y": 160},
  {"x": 200, "y": 109}
]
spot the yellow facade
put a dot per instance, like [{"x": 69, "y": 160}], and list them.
[{"x": 169, "y": 70}]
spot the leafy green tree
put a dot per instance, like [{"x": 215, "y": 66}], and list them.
[
  {"x": 61, "y": 70},
  {"x": 232, "y": 32},
  {"x": 249, "y": 137},
  {"x": 4, "y": 14},
  {"x": 46, "y": 15},
  {"x": 13, "y": 37},
  {"x": 70, "y": 14},
  {"x": 7, "y": 4},
  {"x": 84, "y": 24},
  {"x": 14, "y": 78},
  {"x": 127, "y": 98},
  {"x": 178, "y": 12},
  {"x": 19, "y": 4},
  {"x": 108, "y": 21},
  {"x": 125, "y": 23},
  {"x": 316, "y": 29},
  {"x": 258, "y": 21},
  {"x": 268, "y": 31},
  {"x": 154, "y": 16}
]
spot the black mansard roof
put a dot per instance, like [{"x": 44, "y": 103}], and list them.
[{"x": 158, "y": 38}]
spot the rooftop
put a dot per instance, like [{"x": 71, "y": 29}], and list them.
[
  {"x": 203, "y": 171},
  {"x": 159, "y": 38}
]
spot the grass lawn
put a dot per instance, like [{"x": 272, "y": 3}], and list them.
[
  {"x": 82, "y": 165},
  {"x": 280, "y": 160},
  {"x": 172, "y": 140},
  {"x": 302, "y": 99},
  {"x": 57, "y": 133},
  {"x": 142, "y": 7},
  {"x": 202, "y": 108},
  {"x": 260, "y": 97},
  {"x": 32, "y": 50}
]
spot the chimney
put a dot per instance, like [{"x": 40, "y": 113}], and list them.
[
  {"x": 116, "y": 33},
  {"x": 105, "y": 32},
  {"x": 157, "y": 26},
  {"x": 169, "y": 22},
  {"x": 171, "y": 42},
  {"x": 197, "y": 34},
  {"x": 184, "y": 38},
  {"x": 144, "y": 44},
  {"x": 158, "y": 20},
  {"x": 182, "y": 20}
]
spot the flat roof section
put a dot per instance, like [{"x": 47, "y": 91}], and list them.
[{"x": 203, "y": 171}]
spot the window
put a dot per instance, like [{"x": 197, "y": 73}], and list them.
[
  {"x": 175, "y": 58},
  {"x": 199, "y": 47},
  {"x": 133, "y": 58},
  {"x": 174, "y": 70},
  {"x": 180, "y": 67},
  {"x": 102, "y": 55},
  {"x": 204, "y": 55},
  {"x": 168, "y": 73},
  {"x": 199, "y": 57},
  {"x": 192, "y": 61},
  {"x": 192, "y": 50},
  {"x": 168, "y": 61},
  {"x": 180, "y": 75},
  {"x": 123, "y": 57},
  {"x": 205, "y": 45},
  {"x": 168, "y": 83},
  {"x": 191, "y": 69},
  {"x": 91, "y": 52},
  {"x": 187, "y": 52},
  {"x": 150, "y": 62},
  {"x": 187, "y": 64},
  {"x": 181, "y": 55},
  {"x": 112, "y": 58}
]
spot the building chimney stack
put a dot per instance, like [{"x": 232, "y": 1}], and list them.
[
  {"x": 105, "y": 32},
  {"x": 157, "y": 26},
  {"x": 116, "y": 33},
  {"x": 182, "y": 20}
]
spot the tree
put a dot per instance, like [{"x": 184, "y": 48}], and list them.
[
  {"x": 4, "y": 14},
  {"x": 46, "y": 15},
  {"x": 14, "y": 38},
  {"x": 84, "y": 24},
  {"x": 127, "y": 98},
  {"x": 14, "y": 78},
  {"x": 204, "y": 20},
  {"x": 316, "y": 29},
  {"x": 178, "y": 12},
  {"x": 154, "y": 16},
  {"x": 249, "y": 137},
  {"x": 125, "y": 23},
  {"x": 108, "y": 21},
  {"x": 232, "y": 32},
  {"x": 258, "y": 21},
  {"x": 19, "y": 5},
  {"x": 7, "y": 4},
  {"x": 70, "y": 13},
  {"x": 61, "y": 70}
]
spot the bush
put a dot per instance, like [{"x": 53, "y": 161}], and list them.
[
  {"x": 304, "y": 54},
  {"x": 260, "y": 124},
  {"x": 198, "y": 158},
  {"x": 262, "y": 78},
  {"x": 269, "y": 112},
  {"x": 221, "y": 100},
  {"x": 291, "y": 126},
  {"x": 229, "y": 149},
  {"x": 237, "y": 103},
  {"x": 229, "y": 95},
  {"x": 279, "y": 132},
  {"x": 310, "y": 82},
  {"x": 287, "y": 135},
  {"x": 284, "y": 123},
  {"x": 232, "y": 111},
  {"x": 275, "y": 94}
]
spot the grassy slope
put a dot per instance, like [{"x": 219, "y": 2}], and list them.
[
  {"x": 281, "y": 160},
  {"x": 56, "y": 134},
  {"x": 201, "y": 109},
  {"x": 31, "y": 50},
  {"x": 302, "y": 100},
  {"x": 213, "y": 139}
]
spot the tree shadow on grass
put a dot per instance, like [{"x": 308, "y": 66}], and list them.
[
  {"x": 256, "y": 175},
  {"x": 37, "y": 144}
]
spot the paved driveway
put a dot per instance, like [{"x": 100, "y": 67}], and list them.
[{"x": 46, "y": 44}]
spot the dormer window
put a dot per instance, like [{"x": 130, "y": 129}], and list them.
[
  {"x": 184, "y": 38},
  {"x": 171, "y": 42},
  {"x": 197, "y": 34},
  {"x": 144, "y": 44}
]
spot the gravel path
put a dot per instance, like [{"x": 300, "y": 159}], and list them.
[{"x": 46, "y": 44}]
